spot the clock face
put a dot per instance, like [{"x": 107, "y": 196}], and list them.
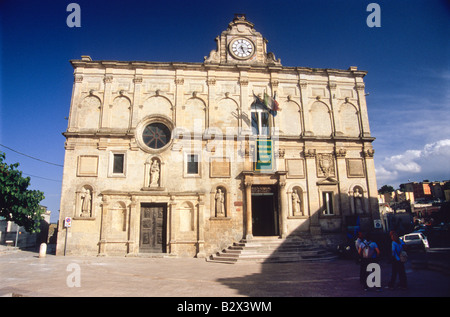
[{"x": 241, "y": 48}]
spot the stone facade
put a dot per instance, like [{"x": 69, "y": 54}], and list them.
[{"x": 163, "y": 157}]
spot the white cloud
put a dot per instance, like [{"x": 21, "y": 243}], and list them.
[
  {"x": 432, "y": 163},
  {"x": 441, "y": 146}
]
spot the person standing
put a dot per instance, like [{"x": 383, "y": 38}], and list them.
[
  {"x": 398, "y": 265},
  {"x": 359, "y": 241},
  {"x": 369, "y": 253}
]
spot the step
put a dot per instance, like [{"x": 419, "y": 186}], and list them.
[{"x": 273, "y": 250}]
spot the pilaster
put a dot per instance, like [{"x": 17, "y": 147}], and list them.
[
  {"x": 107, "y": 100},
  {"x": 313, "y": 192},
  {"x": 103, "y": 226},
  {"x": 303, "y": 85},
  {"x": 137, "y": 97},
  {"x": 248, "y": 210},
  {"x": 201, "y": 222},
  {"x": 365, "y": 129},
  {"x": 284, "y": 204}
]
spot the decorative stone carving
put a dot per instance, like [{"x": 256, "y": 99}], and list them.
[
  {"x": 368, "y": 153},
  {"x": 78, "y": 78},
  {"x": 179, "y": 81},
  {"x": 310, "y": 153},
  {"x": 214, "y": 55},
  {"x": 340, "y": 153},
  {"x": 272, "y": 60},
  {"x": 108, "y": 79},
  {"x": 326, "y": 165},
  {"x": 238, "y": 28}
]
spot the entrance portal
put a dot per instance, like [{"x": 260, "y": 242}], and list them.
[
  {"x": 153, "y": 228},
  {"x": 265, "y": 211}
]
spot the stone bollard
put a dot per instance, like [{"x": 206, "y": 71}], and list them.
[{"x": 43, "y": 250}]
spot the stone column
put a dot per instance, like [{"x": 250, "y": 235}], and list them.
[{"x": 248, "y": 210}]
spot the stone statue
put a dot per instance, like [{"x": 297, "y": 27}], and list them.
[
  {"x": 220, "y": 203},
  {"x": 296, "y": 203},
  {"x": 357, "y": 197},
  {"x": 86, "y": 199},
  {"x": 154, "y": 174}
]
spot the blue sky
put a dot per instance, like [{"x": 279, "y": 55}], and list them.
[{"x": 407, "y": 59}]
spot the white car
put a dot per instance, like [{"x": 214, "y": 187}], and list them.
[{"x": 415, "y": 240}]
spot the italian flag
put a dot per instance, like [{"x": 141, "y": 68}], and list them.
[{"x": 270, "y": 102}]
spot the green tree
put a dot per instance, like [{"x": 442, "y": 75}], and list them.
[
  {"x": 386, "y": 189},
  {"x": 18, "y": 203}
]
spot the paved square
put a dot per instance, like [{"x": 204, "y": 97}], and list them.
[{"x": 24, "y": 273}]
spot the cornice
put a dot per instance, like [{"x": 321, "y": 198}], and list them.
[{"x": 104, "y": 64}]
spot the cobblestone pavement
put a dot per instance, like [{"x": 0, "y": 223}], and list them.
[{"x": 23, "y": 273}]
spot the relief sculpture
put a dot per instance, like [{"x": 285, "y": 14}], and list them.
[{"x": 326, "y": 165}]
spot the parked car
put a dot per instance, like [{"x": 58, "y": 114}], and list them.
[{"x": 415, "y": 240}]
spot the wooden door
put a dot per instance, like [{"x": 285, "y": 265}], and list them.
[{"x": 152, "y": 234}]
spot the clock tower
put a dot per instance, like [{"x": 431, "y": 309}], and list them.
[{"x": 240, "y": 43}]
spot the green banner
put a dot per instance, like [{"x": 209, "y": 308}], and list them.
[{"x": 263, "y": 160}]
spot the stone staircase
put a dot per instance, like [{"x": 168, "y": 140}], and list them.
[{"x": 272, "y": 250}]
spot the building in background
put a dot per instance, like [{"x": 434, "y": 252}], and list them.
[{"x": 13, "y": 235}]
